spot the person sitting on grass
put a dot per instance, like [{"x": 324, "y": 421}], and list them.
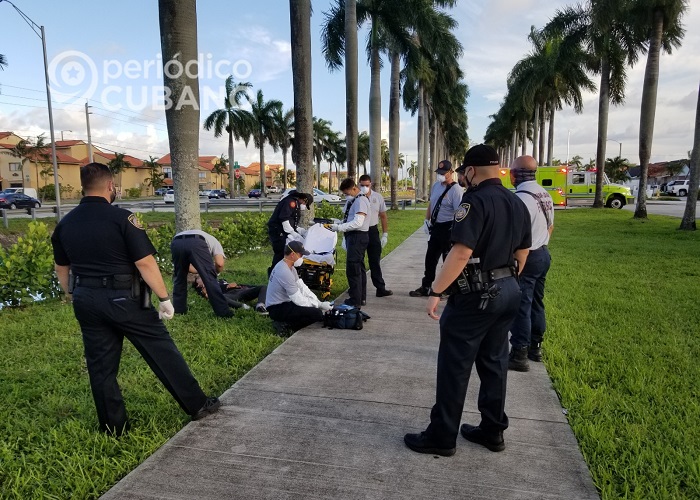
[
  {"x": 236, "y": 295},
  {"x": 291, "y": 304}
]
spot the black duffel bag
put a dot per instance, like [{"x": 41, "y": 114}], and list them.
[{"x": 345, "y": 316}]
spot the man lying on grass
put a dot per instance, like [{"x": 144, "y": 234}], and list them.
[{"x": 236, "y": 295}]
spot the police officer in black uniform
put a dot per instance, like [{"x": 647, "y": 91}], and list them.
[
  {"x": 111, "y": 260},
  {"x": 492, "y": 228},
  {"x": 284, "y": 222}
]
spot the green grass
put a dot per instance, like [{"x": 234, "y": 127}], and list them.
[
  {"x": 49, "y": 443},
  {"x": 622, "y": 348}
]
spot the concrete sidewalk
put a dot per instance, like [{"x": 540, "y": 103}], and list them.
[{"x": 324, "y": 416}]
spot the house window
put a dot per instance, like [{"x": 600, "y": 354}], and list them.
[
  {"x": 202, "y": 175},
  {"x": 15, "y": 167},
  {"x": 167, "y": 173}
]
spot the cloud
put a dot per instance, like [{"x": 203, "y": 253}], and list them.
[{"x": 269, "y": 57}]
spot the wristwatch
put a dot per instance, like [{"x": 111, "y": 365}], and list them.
[
  {"x": 167, "y": 297},
  {"x": 433, "y": 293}
]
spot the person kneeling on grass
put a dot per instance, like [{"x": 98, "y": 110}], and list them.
[
  {"x": 236, "y": 295},
  {"x": 289, "y": 301}
]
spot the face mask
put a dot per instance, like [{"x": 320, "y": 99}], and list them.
[
  {"x": 441, "y": 178},
  {"x": 348, "y": 197},
  {"x": 299, "y": 262},
  {"x": 470, "y": 183},
  {"x": 364, "y": 189},
  {"x": 302, "y": 207}
]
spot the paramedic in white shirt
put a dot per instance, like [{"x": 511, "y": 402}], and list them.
[
  {"x": 375, "y": 245},
  {"x": 527, "y": 330}
]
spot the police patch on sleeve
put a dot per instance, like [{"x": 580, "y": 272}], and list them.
[
  {"x": 135, "y": 221},
  {"x": 462, "y": 212},
  {"x": 293, "y": 204}
]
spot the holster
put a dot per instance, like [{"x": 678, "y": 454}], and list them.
[{"x": 71, "y": 282}]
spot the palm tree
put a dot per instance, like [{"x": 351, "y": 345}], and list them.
[
  {"x": 322, "y": 134},
  {"x": 155, "y": 175},
  {"x": 351, "y": 85},
  {"x": 659, "y": 24},
  {"x": 688, "y": 221},
  {"x": 3, "y": 62},
  {"x": 602, "y": 29},
  {"x": 117, "y": 165},
  {"x": 236, "y": 121},
  {"x": 178, "y": 40},
  {"x": 302, "y": 153},
  {"x": 363, "y": 150},
  {"x": 616, "y": 168},
  {"x": 284, "y": 134},
  {"x": 221, "y": 167},
  {"x": 264, "y": 128}
]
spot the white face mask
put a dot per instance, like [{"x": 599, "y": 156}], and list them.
[
  {"x": 348, "y": 197},
  {"x": 364, "y": 189},
  {"x": 441, "y": 178},
  {"x": 302, "y": 207},
  {"x": 299, "y": 262}
]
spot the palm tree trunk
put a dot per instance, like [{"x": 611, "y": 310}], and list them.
[
  {"x": 514, "y": 145},
  {"x": 523, "y": 144},
  {"x": 688, "y": 221},
  {"x": 284, "y": 168},
  {"x": 543, "y": 117},
  {"x": 535, "y": 130},
  {"x": 351, "y": 85},
  {"x": 263, "y": 189},
  {"x": 300, "y": 21},
  {"x": 178, "y": 37},
  {"x": 648, "y": 111},
  {"x": 394, "y": 125},
  {"x": 375, "y": 113},
  {"x": 550, "y": 143},
  {"x": 318, "y": 170},
  {"x": 427, "y": 174},
  {"x": 231, "y": 176},
  {"x": 603, "y": 109},
  {"x": 420, "y": 191}
]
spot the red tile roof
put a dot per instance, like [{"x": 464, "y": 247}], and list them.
[
  {"x": 135, "y": 162},
  {"x": 64, "y": 144},
  {"x": 60, "y": 157},
  {"x": 205, "y": 162},
  {"x": 5, "y": 134}
]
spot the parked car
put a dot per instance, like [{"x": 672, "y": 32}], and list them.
[
  {"x": 319, "y": 195},
  {"x": 273, "y": 189},
  {"x": 678, "y": 188},
  {"x": 254, "y": 193},
  {"x": 217, "y": 194},
  {"x": 169, "y": 196},
  {"x": 161, "y": 191},
  {"x": 31, "y": 192},
  {"x": 18, "y": 200}
]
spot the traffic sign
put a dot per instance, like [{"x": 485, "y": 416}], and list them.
[{"x": 236, "y": 165}]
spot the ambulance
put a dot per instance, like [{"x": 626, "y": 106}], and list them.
[{"x": 569, "y": 187}]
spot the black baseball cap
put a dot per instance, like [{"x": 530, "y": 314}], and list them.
[
  {"x": 481, "y": 155},
  {"x": 444, "y": 166},
  {"x": 296, "y": 247}
]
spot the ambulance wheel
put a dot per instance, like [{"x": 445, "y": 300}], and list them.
[{"x": 616, "y": 202}]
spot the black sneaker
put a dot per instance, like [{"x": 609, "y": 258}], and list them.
[
  {"x": 210, "y": 406},
  {"x": 476, "y": 434},
  {"x": 384, "y": 293},
  {"x": 535, "y": 352},
  {"x": 517, "y": 359},
  {"x": 364, "y": 302},
  {"x": 419, "y": 292},
  {"x": 350, "y": 302},
  {"x": 422, "y": 443}
]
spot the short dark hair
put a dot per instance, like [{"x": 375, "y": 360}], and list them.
[
  {"x": 365, "y": 178},
  {"x": 94, "y": 174},
  {"x": 347, "y": 183}
]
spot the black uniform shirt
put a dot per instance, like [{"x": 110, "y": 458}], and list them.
[
  {"x": 493, "y": 222},
  {"x": 286, "y": 209},
  {"x": 98, "y": 239}
]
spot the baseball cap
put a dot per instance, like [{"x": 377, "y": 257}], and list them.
[
  {"x": 481, "y": 155},
  {"x": 444, "y": 166},
  {"x": 296, "y": 247}
]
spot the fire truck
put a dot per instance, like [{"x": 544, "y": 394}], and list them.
[{"x": 569, "y": 187}]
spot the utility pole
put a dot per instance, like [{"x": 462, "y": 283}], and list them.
[{"x": 87, "y": 120}]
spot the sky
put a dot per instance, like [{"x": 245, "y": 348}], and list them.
[{"x": 110, "y": 52}]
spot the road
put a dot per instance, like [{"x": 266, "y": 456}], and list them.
[{"x": 670, "y": 208}]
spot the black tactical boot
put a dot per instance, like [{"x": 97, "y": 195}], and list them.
[
  {"x": 535, "y": 352},
  {"x": 518, "y": 359}
]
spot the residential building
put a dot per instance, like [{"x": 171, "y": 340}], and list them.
[{"x": 208, "y": 178}]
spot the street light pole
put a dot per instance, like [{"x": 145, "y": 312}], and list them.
[
  {"x": 87, "y": 120},
  {"x": 613, "y": 140}
]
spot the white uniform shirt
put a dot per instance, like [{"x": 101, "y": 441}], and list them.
[
  {"x": 540, "y": 234},
  {"x": 282, "y": 284},
  {"x": 378, "y": 206},
  {"x": 361, "y": 204},
  {"x": 215, "y": 247},
  {"x": 450, "y": 203}
]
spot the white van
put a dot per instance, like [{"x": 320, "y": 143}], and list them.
[{"x": 28, "y": 191}]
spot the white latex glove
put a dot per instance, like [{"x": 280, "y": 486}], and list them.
[
  {"x": 166, "y": 310},
  {"x": 426, "y": 227},
  {"x": 294, "y": 237},
  {"x": 334, "y": 227},
  {"x": 301, "y": 231},
  {"x": 385, "y": 239},
  {"x": 325, "y": 306}
]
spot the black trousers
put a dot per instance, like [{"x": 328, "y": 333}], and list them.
[
  {"x": 439, "y": 245},
  {"x": 107, "y": 316},
  {"x": 356, "y": 243},
  {"x": 297, "y": 317},
  {"x": 468, "y": 336},
  {"x": 374, "y": 256},
  {"x": 186, "y": 251},
  {"x": 278, "y": 239},
  {"x": 235, "y": 297}
]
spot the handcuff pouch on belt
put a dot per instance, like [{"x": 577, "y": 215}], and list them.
[{"x": 471, "y": 280}]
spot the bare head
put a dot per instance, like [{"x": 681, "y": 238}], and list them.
[
  {"x": 525, "y": 162},
  {"x": 523, "y": 169}
]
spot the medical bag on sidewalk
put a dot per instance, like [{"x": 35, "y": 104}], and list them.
[{"x": 345, "y": 316}]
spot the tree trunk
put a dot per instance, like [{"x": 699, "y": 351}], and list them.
[
  {"x": 394, "y": 125},
  {"x": 263, "y": 188},
  {"x": 178, "y": 39},
  {"x": 514, "y": 145},
  {"x": 351, "y": 85},
  {"x": 375, "y": 113},
  {"x": 420, "y": 193},
  {"x": 284, "y": 168},
  {"x": 688, "y": 221},
  {"x": 550, "y": 143},
  {"x": 318, "y": 169},
  {"x": 603, "y": 109},
  {"x": 535, "y": 130},
  {"x": 543, "y": 118},
  {"x": 300, "y": 21},
  {"x": 231, "y": 177},
  {"x": 427, "y": 168},
  {"x": 648, "y": 111},
  {"x": 523, "y": 144}
]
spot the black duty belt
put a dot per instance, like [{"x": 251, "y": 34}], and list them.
[
  {"x": 496, "y": 274},
  {"x": 185, "y": 236},
  {"x": 115, "y": 282},
  {"x": 543, "y": 247}
]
